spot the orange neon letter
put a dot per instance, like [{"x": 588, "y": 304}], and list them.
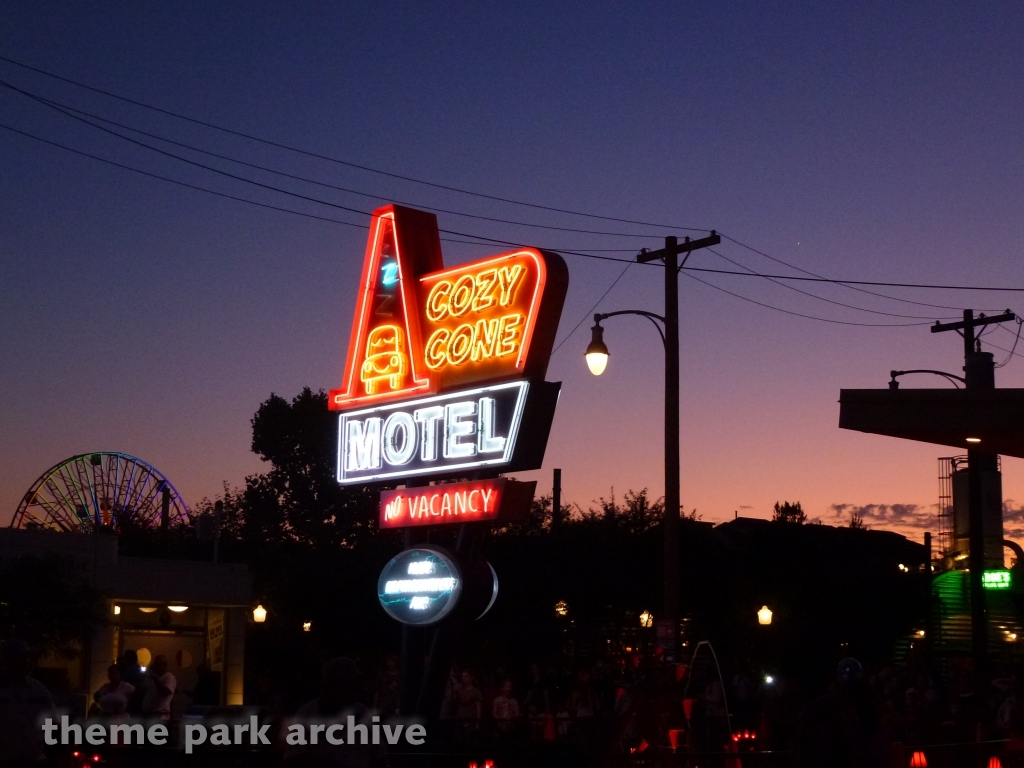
[
  {"x": 485, "y": 289},
  {"x": 508, "y": 341},
  {"x": 437, "y": 301},
  {"x": 461, "y": 344},
  {"x": 462, "y": 296},
  {"x": 435, "y": 353},
  {"x": 508, "y": 279},
  {"x": 485, "y": 338}
]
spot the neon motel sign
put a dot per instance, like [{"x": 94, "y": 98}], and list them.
[{"x": 445, "y": 367}]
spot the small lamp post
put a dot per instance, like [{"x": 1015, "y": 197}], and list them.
[
  {"x": 259, "y": 614},
  {"x": 764, "y": 616}
]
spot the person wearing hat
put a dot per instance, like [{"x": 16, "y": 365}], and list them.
[
  {"x": 336, "y": 705},
  {"x": 24, "y": 702}
]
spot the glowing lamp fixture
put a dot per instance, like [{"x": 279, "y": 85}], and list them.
[
  {"x": 768, "y": 679},
  {"x": 117, "y": 610},
  {"x": 307, "y": 626},
  {"x": 646, "y": 619},
  {"x": 147, "y": 609},
  {"x": 177, "y": 608},
  {"x": 918, "y": 760},
  {"x": 561, "y": 608},
  {"x": 259, "y": 614},
  {"x": 973, "y": 439},
  {"x": 764, "y": 616},
  {"x": 597, "y": 352}
]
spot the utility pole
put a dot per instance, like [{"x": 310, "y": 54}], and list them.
[
  {"x": 670, "y": 256},
  {"x": 979, "y": 373},
  {"x": 556, "y": 499}
]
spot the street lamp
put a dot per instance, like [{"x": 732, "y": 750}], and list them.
[
  {"x": 764, "y": 616},
  {"x": 259, "y": 614},
  {"x": 597, "y": 351},
  {"x": 668, "y": 328}
]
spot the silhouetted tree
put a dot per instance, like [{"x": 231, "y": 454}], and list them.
[
  {"x": 46, "y": 602},
  {"x": 857, "y": 521},
  {"x": 789, "y": 513}
]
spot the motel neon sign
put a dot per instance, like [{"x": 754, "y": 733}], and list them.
[
  {"x": 445, "y": 367},
  {"x": 485, "y": 501}
]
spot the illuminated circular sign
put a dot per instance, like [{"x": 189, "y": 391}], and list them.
[{"x": 420, "y": 586}]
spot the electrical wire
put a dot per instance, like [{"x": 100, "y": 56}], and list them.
[
  {"x": 800, "y": 314},
  {"x": 1013, "y": 350},
  {"x": 822, "y": 298},
  {"x": 591, "y": 310},
  {"x": 346, "y": 163},
  {"x": 348, "y": 190},
  {"x": 852, "y": 284},
  {"x": 929, "y": 286}
]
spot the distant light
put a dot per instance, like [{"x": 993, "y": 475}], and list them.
[
  {"x": 177, "y": 608},
  {"x": 147, "y": 609},
  {"x": 903, "y": 568},
  {"x": 646, "y": 619},
  {"x": 995, "y": 579},
  {"x": 259, "y": 614},
  {"x": 920, "y": 633},
  {"x": 973, "y": 439},
  {"x": 117, "y": 610},
  {"x": 768, "y": 679},
  {"x": 142, "y": 668},
  {"x": 561, "y": 608},
  {"x": 307, "y": 626},
  {"x": 597, "y": 351},
  {"x": 1011, "y": 636},
  {"x": 764, "y": 616}
]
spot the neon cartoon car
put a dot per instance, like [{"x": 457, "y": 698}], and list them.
[{"x": 384, "y": 358}]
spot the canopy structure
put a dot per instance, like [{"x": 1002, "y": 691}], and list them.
[{"x": 994, "y": 417}]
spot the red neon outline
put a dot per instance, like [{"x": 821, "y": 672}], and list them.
[{"x": 344, "y": 398}]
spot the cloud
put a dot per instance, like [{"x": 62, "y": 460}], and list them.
[
  {"x": 911, "y": 520},
  {"x": 898, "y": 517}
]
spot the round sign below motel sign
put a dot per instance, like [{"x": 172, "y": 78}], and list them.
[{"x": 420, "y": 586}]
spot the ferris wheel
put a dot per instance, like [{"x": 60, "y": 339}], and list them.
[{"x": 100, "y": 491}]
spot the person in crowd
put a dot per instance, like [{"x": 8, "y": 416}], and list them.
[
  {"x": 112, "y": 697},
  {"x": 207, "y": 690},
  {"x": 505, "y": 709},
  {"x": 468, "y": 700},
  {"x": 131, "y": 673},
  {"x": 24, "y": 702},
  {"x": 336, "y": 702},
  {"x": 159, "y": 690}
]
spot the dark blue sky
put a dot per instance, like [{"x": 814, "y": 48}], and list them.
[{"x": 865, "y": 140}]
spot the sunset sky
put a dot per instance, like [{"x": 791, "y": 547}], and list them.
[{"x": 864, "y": 140}]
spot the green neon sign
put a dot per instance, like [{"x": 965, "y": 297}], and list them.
[{"x": 996, "y": 579}]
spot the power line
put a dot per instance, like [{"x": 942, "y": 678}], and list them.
[
  {"x": 347, "y": 163},
  {"x": 798, "y": 314},
  {"x": 851, "y": 284},
  {"x": 929, "y": 286},
  {"x": 198, "y": 188},
  {"x": 815, "y": 274},
  {"x": 348, "y": 190},
  {"x": 591, "y": 310},
  {"x": 822, "y": 298}
]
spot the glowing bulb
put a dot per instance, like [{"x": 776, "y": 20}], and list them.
[
  {"x": 646, "y": 619},
  {"x": 259, "y": 614},
  {"x": 177, "y": 608},
  {"x": 147, "y": 609},
  {"x": 764, "y": 616},
  {"x": 307, "y": 626},
  {"x": 597, "y": 352},
  {"x": 561, "y": 608},
  {"x": 117, "y": 610},
  {"x": 973, "y": 439},
  {"x": 768, "y": 679}
]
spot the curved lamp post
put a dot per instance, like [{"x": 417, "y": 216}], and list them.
[{"x": 668, "y": 328}]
